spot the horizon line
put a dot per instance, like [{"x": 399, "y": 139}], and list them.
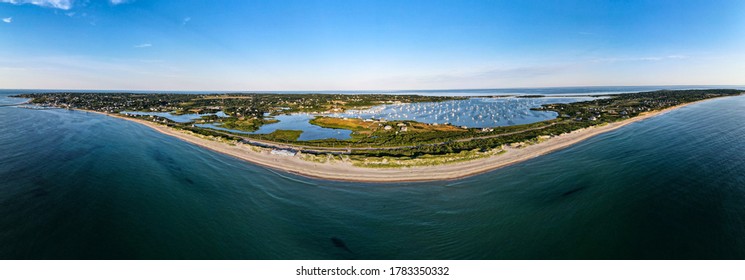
[{"x": 372, "y": 90}]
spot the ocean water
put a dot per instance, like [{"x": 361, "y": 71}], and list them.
[{"x": 76, "y": 185}]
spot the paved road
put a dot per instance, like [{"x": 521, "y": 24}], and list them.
[{"x": 346, "y": 150}]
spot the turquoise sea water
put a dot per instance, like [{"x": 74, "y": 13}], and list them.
[{"x": 75, "y": 185}]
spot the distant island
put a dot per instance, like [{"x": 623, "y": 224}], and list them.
[{"x": 377, "y": 149}]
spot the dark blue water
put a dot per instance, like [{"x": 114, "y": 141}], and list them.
[{"x": 79, "y": 185}]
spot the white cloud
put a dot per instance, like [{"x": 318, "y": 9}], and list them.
[
  {"x": 143, "y": 45},
  {"x": 8, "y": 19},
  {"x": 117, "y": 2},
  {"x": 645, "y": 58},
  {"x": 57, "y": 4},
  {"x": 186, "y": 20}
]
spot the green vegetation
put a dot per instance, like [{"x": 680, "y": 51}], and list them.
[
  {"x": 424, "y": 160},
  {"x": 383, "y": 133},
  {"x": 282, "y": 135},
  {"x": 248, "y": 125},
  {"x": 373, "y": 143},
  {"x": 356, "y": 125},
  {"x": 206, "y": 132},
  {"x": 239, "y": 105}
]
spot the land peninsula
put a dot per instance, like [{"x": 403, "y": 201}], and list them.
[{"x": 378, "y": 150}]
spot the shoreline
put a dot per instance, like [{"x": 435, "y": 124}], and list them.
[{"x": 345, "y": 171}]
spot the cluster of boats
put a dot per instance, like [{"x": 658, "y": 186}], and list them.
[{"x": 474, "y": 112}]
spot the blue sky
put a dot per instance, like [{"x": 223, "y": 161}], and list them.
[{"x": 355, "y": 45}]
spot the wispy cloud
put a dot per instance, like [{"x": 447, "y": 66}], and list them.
[
  {"x": 117, "y": 2},
  {"x": 57, "y": 4},
  {"x": 185, "y": 20},
  {"x": 87, "y": 72},
  {"x": 641, "y": 58},
  {"x": 483, "y": 78},
  {"x": 143, "y": 45},
  {"x": 519, "y": 72},
  {"x": 8, "y": 20}
]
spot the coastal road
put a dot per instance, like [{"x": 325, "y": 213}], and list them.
[{"x": 347, "y": 150}]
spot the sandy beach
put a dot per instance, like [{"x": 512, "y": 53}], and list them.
[{"x": 345, "y": 171}]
